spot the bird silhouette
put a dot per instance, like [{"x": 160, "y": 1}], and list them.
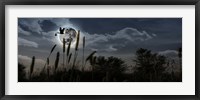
[{"x": 61, "y": 31}]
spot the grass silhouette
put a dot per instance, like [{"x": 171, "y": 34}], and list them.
[{"x": 149, "y": 67}]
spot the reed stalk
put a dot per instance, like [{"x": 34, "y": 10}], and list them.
[
  {"x": 76, "y": 49},
  {"x": 83, "y": 53},
  {"x": 68, "y": 52},
  {"x": 52, "y": 49},
  {"x": 64, "y": 52},
  {"x": 90, "y": 57},
  {"x": 57, "y": 61},
  {"x": 69, "y": 58},
  {"x": 32, "y": 66},
  {"x": 75, "y": 55}
]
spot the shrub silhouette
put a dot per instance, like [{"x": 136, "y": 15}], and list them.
[
  {"x": 150, "y": 66},
  {"x": 21, "y": 73},
  {"x": 111, "y": 68}
]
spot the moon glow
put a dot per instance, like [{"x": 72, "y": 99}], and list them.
[{"x": 69, "y": 35}]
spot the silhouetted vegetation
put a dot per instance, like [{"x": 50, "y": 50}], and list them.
[
  {"x": 21, "y": 73},
  {"x": 150, "y": 66},
  {"x": 147, "y": 67}
]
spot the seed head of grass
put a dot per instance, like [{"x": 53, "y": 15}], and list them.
[
  {"x": 68, "y": 48},
  {"x": 77, "y": 40},
  {"x": 57, "y": 60},
  {"x": 84, "y": 42},
  {"x": 53, "y": 48},
  {"x": 69, "y": 57},
  {"x": 91, "y": 55},
  {"x": 32, "y": 65},
  {"x": 64, "y": 44}
]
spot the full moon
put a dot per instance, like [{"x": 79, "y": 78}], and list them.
[{"x": 69, "y": 34}]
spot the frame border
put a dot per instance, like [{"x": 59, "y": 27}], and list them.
[{"x": 3, "y": 3}]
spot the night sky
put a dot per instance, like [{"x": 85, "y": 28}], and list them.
[{"x": 119, "y": 37}]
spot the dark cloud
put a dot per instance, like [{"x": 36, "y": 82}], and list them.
[
  {"x": 30, "y": 25},
  {"x": 25, "y": 27},
  {"x": 23, "y": 32},
  {"x": 101, "y": 25},
  {"x": 109, "y": 25},
  {"x": 47, "y": 25}
]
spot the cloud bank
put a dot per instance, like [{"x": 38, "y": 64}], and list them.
[
  {"x": 26, "y": 61},
  {"x": 24, "y": 42},
  {"x": 121, "y": 38}
]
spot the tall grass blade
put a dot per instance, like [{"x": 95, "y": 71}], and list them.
[
  {"x": 32, "y": 65},
  {"x": 83, "y": 53},
  {"x": 64, "y": 52},
  {"x": 75, "y": 56},
  {"x": 76, "y": 48},
  {"x": 57, "y": 60},
  {"x": 90, "y": 56},
  {"x": 47, "y": 61},
  {"x": 68, "y": 48},
  {"x": 69, "y": 57},
  {"x": 77, "y": 40},
  {"x": 84, "y": 42},
  {"x": 52, "y": 49},
  {"x": 48, "y": 72},
  {"x": 64, "y": 44}
]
